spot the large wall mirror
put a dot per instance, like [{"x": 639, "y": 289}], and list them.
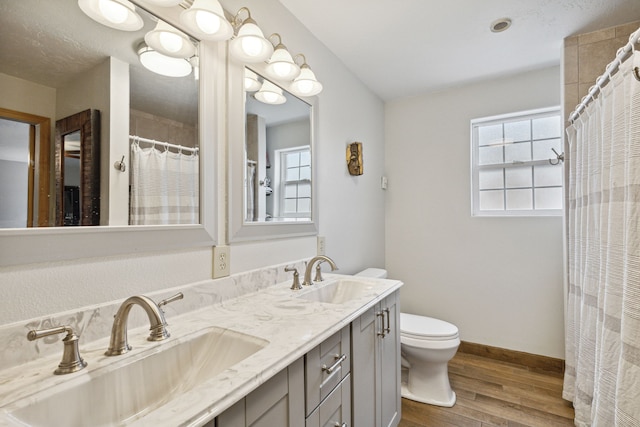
[
  {"x": 143, "y": 161},
  {"x": 272, "y": 168}
]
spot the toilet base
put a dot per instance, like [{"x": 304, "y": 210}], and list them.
[
  {"x": 404, "y": 392},
  {"x": 428, "y": 382}
]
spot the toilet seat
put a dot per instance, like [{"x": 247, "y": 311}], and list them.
[{"x": 426, "y": 328}]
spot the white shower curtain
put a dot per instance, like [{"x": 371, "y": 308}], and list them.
[
  {"x": 164, "y": 187},
  {"x": 250, "y": 192},
  {"x": 602, "y": 375}
]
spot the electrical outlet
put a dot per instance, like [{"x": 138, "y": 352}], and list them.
[
  {"x": 321, "y": 245},
  {"x": 221, "y": 261}
]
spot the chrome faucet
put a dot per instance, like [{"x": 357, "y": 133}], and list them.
[
  {"x": 307, "y": 272},
  {"x": 158, "y": 325}
]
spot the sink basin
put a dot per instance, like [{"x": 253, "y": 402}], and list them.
[
  {"x": 338, "y": 292},
  {"x": 107, "y": 397}
]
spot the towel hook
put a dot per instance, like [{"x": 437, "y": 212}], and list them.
[
  {"x": 121, "y": 166},
  {"x": 559, "y": 158}
]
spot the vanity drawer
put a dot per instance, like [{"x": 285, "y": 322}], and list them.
[
  {"x": 325, "y": 367},
  {"x": 335, "y": 410}
]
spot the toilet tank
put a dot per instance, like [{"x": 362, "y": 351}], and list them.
[{"x": 379, "y": 273}]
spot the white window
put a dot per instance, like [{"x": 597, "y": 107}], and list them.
[
  {"x": 294, "y": 194},
  {"x": 510, "y": 169}
]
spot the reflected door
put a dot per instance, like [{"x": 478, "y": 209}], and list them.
[{"x": 77, "y": 166}]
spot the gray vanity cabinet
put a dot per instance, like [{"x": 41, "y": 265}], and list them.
[
  {"x": 278, "y": 402},
  {"x": 375, "y": 366},
  {"x": 352, "y": 379}
]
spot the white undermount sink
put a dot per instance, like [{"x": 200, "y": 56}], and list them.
[
  {"x": 338, "y": 292},
  {"x": 108, "y": 397}
]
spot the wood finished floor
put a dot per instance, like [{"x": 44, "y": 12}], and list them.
[{"x": 494, "y": 393}]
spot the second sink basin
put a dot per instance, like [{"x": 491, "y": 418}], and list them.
[
  {"x": 338, "y": 292},
  {"x": 108, "y": 397}
]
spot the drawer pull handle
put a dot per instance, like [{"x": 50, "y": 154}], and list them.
[
  {"x": 387, "y": 330},
  {"x": 337, "y": 424},
  {"x": 339, "y": 360},
  {"x": 381, "y": 333}
]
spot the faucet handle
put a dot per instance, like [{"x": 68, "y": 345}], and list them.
[
  {"x": 166, "y": 301},
  {"x": 318, "y": 277},
  {"x": 71, "y": 360},
  {"x": 296, "y": 278}
]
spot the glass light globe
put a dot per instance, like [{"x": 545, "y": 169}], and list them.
[
  {"x": 113, "y": 11},
  {"x": 208, "y": 22},
  {"x": 252, "y": 46},
  {"x": 171, "y": 41}
]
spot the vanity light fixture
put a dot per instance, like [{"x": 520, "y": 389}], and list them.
[
  {"x": 281, "y": 65},
  {"x": 163, "y": 64},
  {"x": 118, "y": 14},
  {"x": 170, "y": 41},
  {"x": 206, "y": 20},
  {"x": 165, "y": 3},
  {"x": 269, "y": 93},
  {"x": 249, "y": 45},
  {"x": 306, "y": 83},
  {"x": 251, "y": 82}
]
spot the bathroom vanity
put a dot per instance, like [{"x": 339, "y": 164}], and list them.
[{"x": 325, "y": 355}]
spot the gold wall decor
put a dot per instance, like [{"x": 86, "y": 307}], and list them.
[{"x": 354, "y": 158}]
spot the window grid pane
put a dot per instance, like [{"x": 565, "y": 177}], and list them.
[
  {"x": 517, "y": 143},
  {"x": 296, "y": 194}
]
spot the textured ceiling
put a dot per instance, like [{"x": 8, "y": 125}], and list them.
[{"x": 409, "y": 47}]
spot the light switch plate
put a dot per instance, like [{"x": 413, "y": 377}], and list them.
[
  {"x": 221, "y": 261},
  {"x": 321, "y": 249}
]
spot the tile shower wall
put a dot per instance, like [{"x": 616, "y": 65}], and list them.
[
  {"x": 162, "y": 129},
  {"x": 585, "y": 58}
]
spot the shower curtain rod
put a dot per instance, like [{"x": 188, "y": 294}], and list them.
[
  {"x": 613, "y": 66},
  {"x": 164, "y": 144}
]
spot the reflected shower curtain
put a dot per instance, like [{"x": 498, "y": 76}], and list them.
[
  {"x": 164, "y": 187},
  {"x": 602, "y": 375},
  {"x": 250, "y": 192}
]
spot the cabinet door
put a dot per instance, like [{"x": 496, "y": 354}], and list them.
[
  {"x": 389, "y": 373},
  {"x": 375, "y": 371},
  {"x": 278, "y": 402},
  {"x": 364, "y": 332}
]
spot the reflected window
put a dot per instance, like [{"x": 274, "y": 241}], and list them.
[{"x": 294, "y": 197}]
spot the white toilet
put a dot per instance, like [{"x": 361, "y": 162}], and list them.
[{"x": 427, "y": 346}]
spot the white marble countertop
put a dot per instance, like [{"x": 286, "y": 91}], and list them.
[{"x": 291, "y": 325}]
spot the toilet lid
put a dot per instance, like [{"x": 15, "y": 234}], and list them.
[{"x": 412, "y": 325}]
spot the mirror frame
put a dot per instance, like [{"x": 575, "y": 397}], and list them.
[
  {"x": 239, "y": 229},
  {"x": 88, "y": 123},
  {"x": 53, "y": 244}
]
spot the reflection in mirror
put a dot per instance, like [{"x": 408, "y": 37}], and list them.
[
  {"x": 77, "y": 169},
  {"x": 24, "y": 173},
  {"x": 80, "y": 65},
  {"x": 277, "y": 154}
]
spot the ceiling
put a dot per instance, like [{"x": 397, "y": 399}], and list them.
[
  {"x": 408, "y": 47},
  {"x": 52, "y": 43}
]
